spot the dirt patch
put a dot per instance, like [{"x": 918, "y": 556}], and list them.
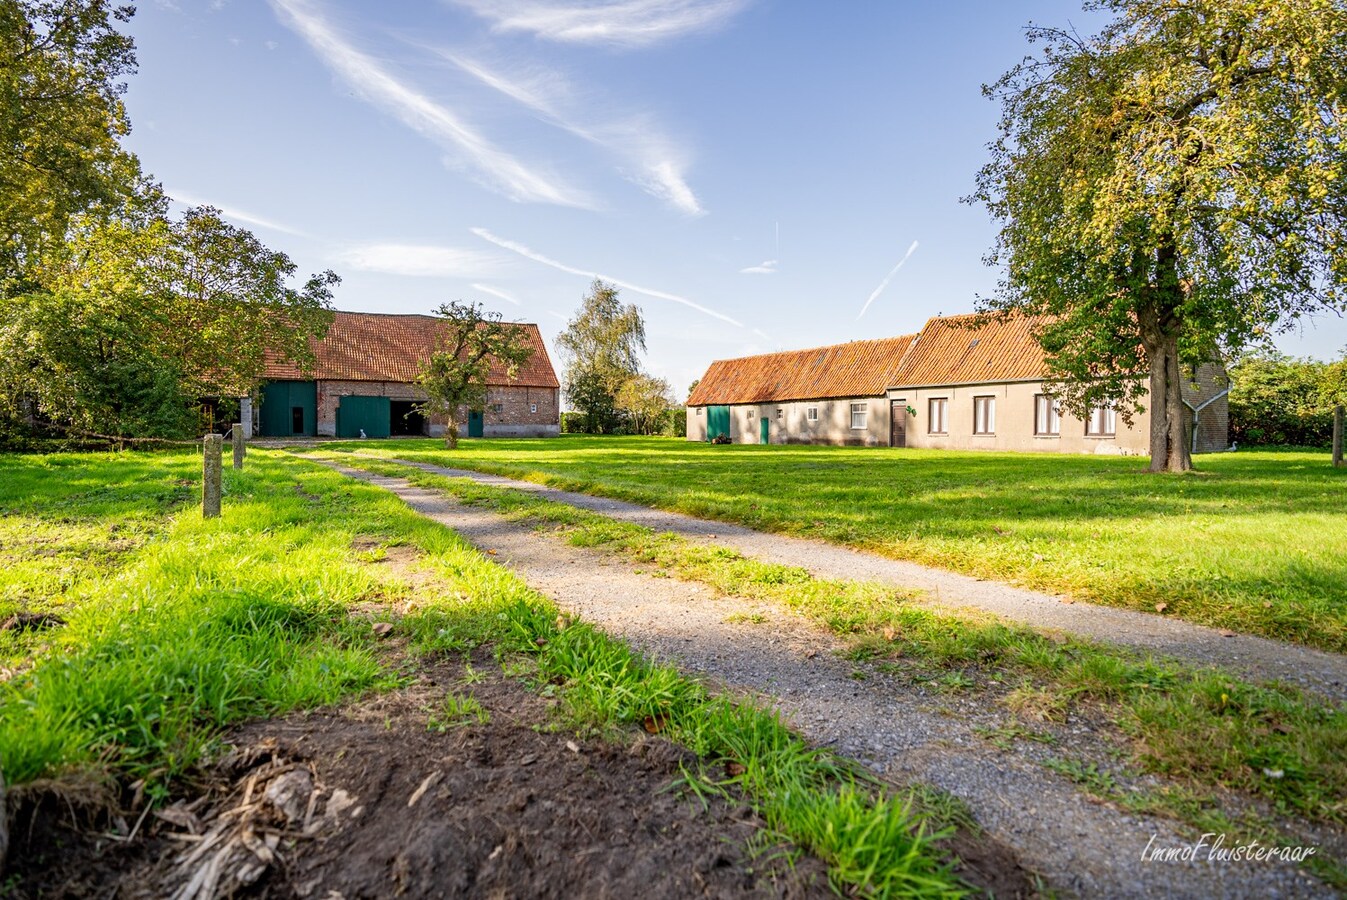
[{"x": 413, "y": 794}]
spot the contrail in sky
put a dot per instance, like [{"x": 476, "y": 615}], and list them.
[
  {"x": 887, "y": 278},
  {"x": 528, "y": 253}
]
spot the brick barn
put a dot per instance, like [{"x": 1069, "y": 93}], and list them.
[
  {"x": 365, "y": 380},
  {"x": 951, "y": 386}
]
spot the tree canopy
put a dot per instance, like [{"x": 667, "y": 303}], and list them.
[
  {"x": 602, "y": 346},
  {"x": 455, "y": 376},
  {"x": 1170, "y": 188},
  {"x": 136, "y": 318},
  {"x": 62, "y": 70}
]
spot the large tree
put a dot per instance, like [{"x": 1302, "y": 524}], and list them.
[
  {"x": 602, "y": 346},
  {"x": 471, "y": 341},
  {"x": 62, "y": 70},
  {"x": 136, "y": 317},
  {"x": 1172, "y": 187}
]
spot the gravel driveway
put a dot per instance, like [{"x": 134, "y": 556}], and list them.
[
  {"x": 1313, "y": 670},
  {"x": 1079, "y": 845}
]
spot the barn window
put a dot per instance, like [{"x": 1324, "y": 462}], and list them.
[
  {"x": 984, "y": 415},
  {"x": 938, "y": 420},
  {"x": 1103, "y": 422},
  {"x": 780, "y": 413},
  {"x": 1047, "y": 417},
  {"x": 497, "y": 407},
  {"x": 699, "y": 412},
  {"x": 858, "y": 411},
  {"x": 812, "y": 415},
  {"x": 533, "y": 407}
]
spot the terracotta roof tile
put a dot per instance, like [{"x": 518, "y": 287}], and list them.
[
  {"x": 973, "y": 349},
  {"x": 386, "y": 347},
  {"x": 856, "y": 369}
]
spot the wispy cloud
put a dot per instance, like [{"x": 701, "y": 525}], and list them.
[
  {"x": 887, "y": 278},
  {"x": 766, "y": 267},
  {"x": 650, "y": 159},
  {"x": 497, "y": 292},
  {"x": 237, "y": 215},
  {"x": 624, "y": 23},
  {"x": 377, "y": 86},
  {"x": 515, "y": 247},
  {"x": 420, "y": 260}
]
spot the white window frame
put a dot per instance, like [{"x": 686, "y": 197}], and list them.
[
  {"x": 812, "y": 414},
  {"x": 533, "y": 407},
  {"x": 699, "y": 412},
  {"x": 862, "y": 410},
  {"x": 780, "y": 414},
  {"x": 1047, "y": 416},
  {"x": 937, "y": 415},
  {"x": 984, "y": 415},
  {"x": 1103, "y": 422}
]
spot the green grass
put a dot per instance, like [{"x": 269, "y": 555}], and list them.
[
  {"x": 205, "y": 623},
  {"x": 1253, "y": 541},
  {"x": 1199, "y": 726}
]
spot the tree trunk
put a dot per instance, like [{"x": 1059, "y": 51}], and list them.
[
  {"x": 1169, "y": 447},
  {"x": 451, "y": 433}
]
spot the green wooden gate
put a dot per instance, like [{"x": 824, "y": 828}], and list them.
[
  {"x": 289, "y": 408},
  {"x": 764, "y": 431},
  {"x": 717, "y": 421},
  {"x": 475, "y": 424},
  {"x": 373, "y": 415}
]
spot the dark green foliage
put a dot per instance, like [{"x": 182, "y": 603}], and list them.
[{"x": 1279, "y": 400}]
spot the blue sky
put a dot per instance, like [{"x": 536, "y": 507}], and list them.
[{"x": 754, "y": 174}]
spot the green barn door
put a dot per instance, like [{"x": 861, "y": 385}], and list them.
[
  {"x": 764, "y": 430},
  {"x": 475, "y": 426},
  {"x": 373, "y": 415},
  {"x": 717, "y": 421},
  {"x": 289, "y": 408}
]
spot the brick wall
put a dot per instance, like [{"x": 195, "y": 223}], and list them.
[
  {"x": 524, "y": 411},
  {"x": 520, "y": 412}
]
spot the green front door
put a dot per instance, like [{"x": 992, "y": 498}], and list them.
[
  {"x": 475, "y": 428},
  {"x": 717, "y": 422},
  {"x": 372, "y": 415},
  {"x": 764, "y": 431}
]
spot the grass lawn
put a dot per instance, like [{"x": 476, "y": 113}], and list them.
[{"x": 1253, "y": 541}]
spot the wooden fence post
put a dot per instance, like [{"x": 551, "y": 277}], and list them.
[
  {"x": 1337, "y": 436},
  {"x": 213, "y": 445},
  {"x": 238, "y": 445}
]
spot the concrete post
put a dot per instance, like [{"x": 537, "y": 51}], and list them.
[
  {"x": 238, "y": 433},
  {"x": 246, "y": 415},
  {"x": 1337, "y": 436},
  {"x": 210, "y": 476}
]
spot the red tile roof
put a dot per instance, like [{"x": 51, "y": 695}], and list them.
[
  {"x": 973, "y": 349},
  {"x": 969, "y": 349},
  {"x": 857, "y": 369},
  {"x": 386, "y": 347}
]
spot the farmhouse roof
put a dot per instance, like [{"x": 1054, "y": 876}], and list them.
[
  {"x": 856, "y": 369},
  {"x": 388, "y": 347},
  {"x": 973, "y": 349},
  {"x": 970, "y": 349}
]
